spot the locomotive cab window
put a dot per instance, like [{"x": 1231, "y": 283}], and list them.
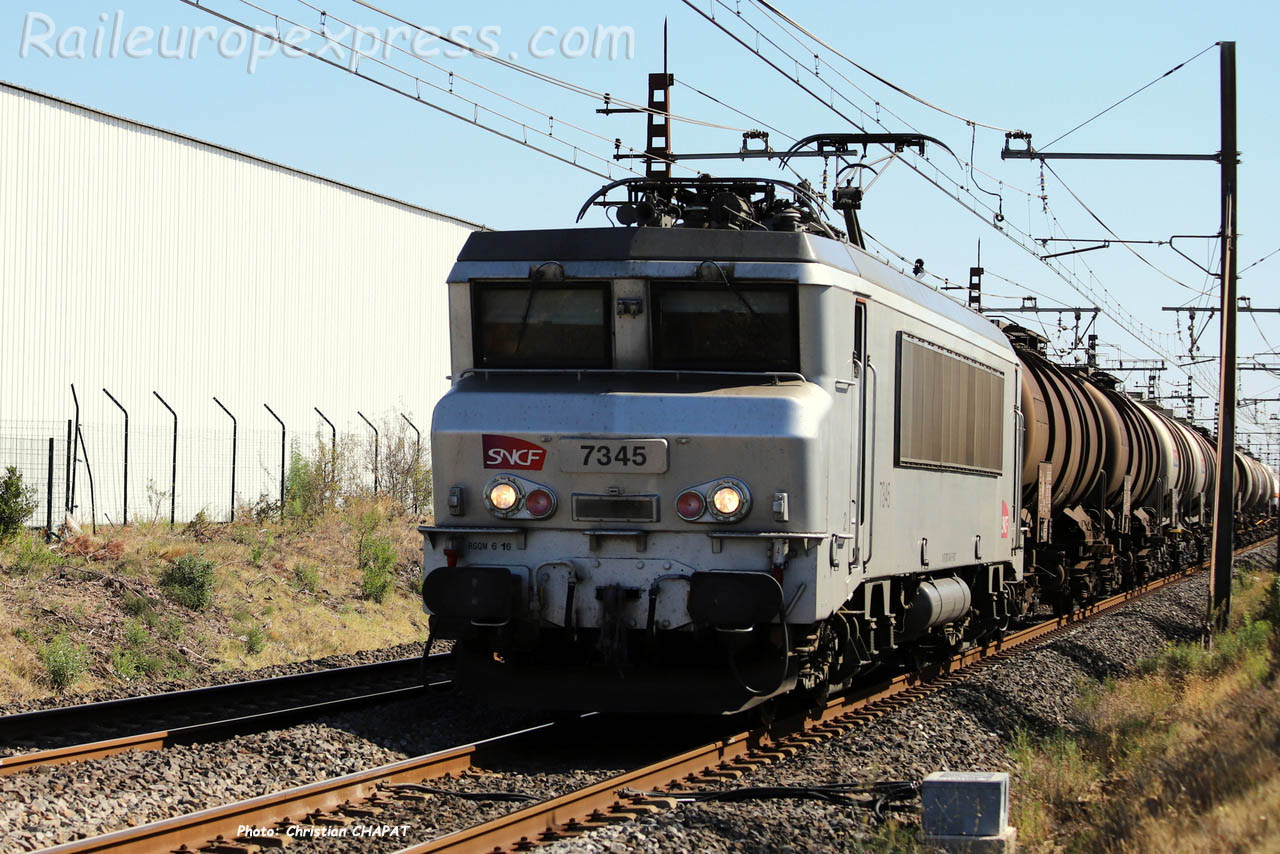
[
  {"x": 725, "y": 327},
  {"x": 523, "y": 325}
]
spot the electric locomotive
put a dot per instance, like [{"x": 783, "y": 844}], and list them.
[{"x": 721, "y": 453}]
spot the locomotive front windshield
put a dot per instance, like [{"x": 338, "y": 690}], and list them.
[
  {"x": 727, "y": 327},
  {"x": 541, "y": 326}
]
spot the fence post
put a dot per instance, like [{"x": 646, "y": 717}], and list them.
[
  {"x": 233, "y": 455},
  {"x": 173, "y": 470},
  {"x": 282, "y": 438},
  {"x": 125, "y": 511},
  {"x": 375, "y": 449},
  {"x": 93, "y": 500},
  {"x": 48, "y": 504},
  {"x": 66, "y": 486},
  {"x": 417, "y": 454},
  {"x": 333, "y": 454},
  {"x": 74, "y": 457}
]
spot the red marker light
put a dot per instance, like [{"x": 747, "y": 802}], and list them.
[
  {"x": 690, "y": 505},
  {"x": 539, "y": 503}
]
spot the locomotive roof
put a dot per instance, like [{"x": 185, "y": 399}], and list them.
[{"x": 504, "y": 249}]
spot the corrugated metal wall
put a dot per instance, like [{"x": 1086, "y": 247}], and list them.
[{"x": 136, "y": 260}]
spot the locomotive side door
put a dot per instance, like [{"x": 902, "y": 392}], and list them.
[{"x": 858, "y": 418}]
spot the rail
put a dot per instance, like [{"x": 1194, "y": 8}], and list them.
[{"x": 148, "y": 722}]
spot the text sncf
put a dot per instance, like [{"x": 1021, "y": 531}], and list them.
[{"x": 506, "y": 452}]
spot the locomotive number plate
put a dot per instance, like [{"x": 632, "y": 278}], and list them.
[{"x": 626, "y": 456}]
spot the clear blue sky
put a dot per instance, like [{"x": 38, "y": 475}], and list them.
[{"x": 1035, "y": 67}]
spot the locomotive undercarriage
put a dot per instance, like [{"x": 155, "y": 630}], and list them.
[{"x": 891, "y": 624}]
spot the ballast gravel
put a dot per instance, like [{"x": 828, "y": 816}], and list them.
[
  {"x": 52, "y": 805},
  {"x": 966, "y": 726}
]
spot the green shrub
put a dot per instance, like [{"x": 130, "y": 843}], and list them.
[
  {"x": 170, "y": 628},
  {"x": 140, "y": 607},
  {"x": 135, "y": 634},
  {"x": 255, "y": 640},
  {"x": 377, "y": 562},
  {"x": 189, "y": 581},
  {"x": 17, "y": 502},
  {"x": 306, "y": 489},
  {"x": 129, "y": 664},
  {"x": 33, "y": 556},
  {"x": 64, "y": 661},
  {"x": 306, "y": 578}
]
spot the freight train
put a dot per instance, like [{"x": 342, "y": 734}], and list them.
[{"x": 720, "y": 453}]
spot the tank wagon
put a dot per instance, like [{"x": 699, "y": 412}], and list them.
[{"x": 723, "y": 454}]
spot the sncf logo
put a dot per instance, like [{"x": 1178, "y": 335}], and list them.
[{"x": 505, "y": 452}]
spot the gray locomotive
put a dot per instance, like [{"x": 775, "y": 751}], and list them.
[{"x": 721, "y": 453}]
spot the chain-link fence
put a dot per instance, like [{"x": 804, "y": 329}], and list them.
[{"x": 107, "y": 474}]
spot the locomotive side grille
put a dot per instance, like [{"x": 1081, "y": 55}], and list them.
[
  {"x": 950, "y": 409},
  {"x": 615, "y": 508}
]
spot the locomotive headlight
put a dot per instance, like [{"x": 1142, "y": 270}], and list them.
[
  {"x": 727, "y": 500},
  {"x": 730, "y": 500},
  {"x": 502, "y": 496}
]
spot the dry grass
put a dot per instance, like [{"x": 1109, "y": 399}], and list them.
[
  {"x": 1183, "y": 756},
  {"x": 283, "y": 592}
]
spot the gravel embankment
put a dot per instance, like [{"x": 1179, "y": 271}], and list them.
[{"x": 965, "y": 727}]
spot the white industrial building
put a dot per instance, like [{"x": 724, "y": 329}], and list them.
[{"x": 137, "y": 260}]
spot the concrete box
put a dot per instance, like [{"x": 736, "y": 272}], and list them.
[{"x": 965, "y": 803}]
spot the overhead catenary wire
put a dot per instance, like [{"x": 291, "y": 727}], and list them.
[
  {"x": 1108, "y": 229},
  {"x": 544, "y": 77},
  {"x": 979, "y": 203},
  {"x": 1259, "y": 261},
  {"x": 453, "y": 76},
  {"x": 1058, "y": 268},
  {"x": 972, "y": 208},
  {"x": 606, "y": 162},
  {"x": 880, "y": 105},
  {"x": 895, "y": 87},
  {"x": 1132, "y": 94}
]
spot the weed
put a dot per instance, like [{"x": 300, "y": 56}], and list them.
[
  {"x": 129, "y": 664},
  {"x": 377, "y": 559},
  {"x": 255, "y": 640},
  {"x": 23, "y": 635},
  {"x": 189, "y": 581},
  {"x": 199, "y": 528},
  {"x": 306, "y": 487},
  {"x": 64, "y": 662},
  {"x": 17, "y": 502},
  {"x": 256, "y": 552},
  {"x": 170, "y": 628},
  {"x": 157, "y": 498},
  {"x": 136, "y": 606},
  {"x": 135, "y": 634},
  {"x": 1062, "y": 772},
  {"x": 306, "y": 578},
  {"x": 33, "y": 556}
]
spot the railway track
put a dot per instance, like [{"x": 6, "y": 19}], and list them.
[
  {"x": 619, "y": 798},
  {"x": 156, "y": 721}
]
